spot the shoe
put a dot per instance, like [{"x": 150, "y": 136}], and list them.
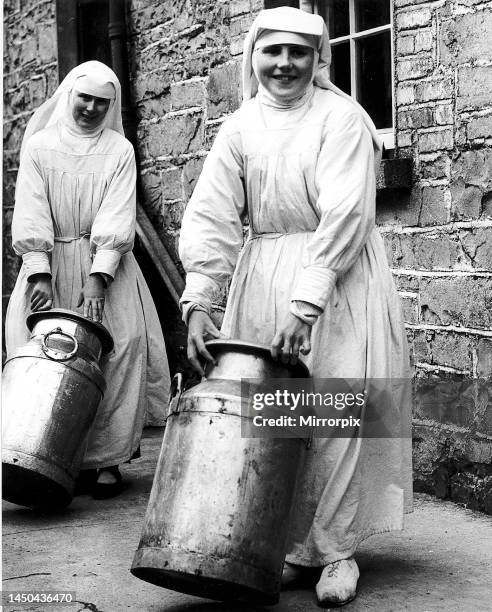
[
  {"x": 298, "y": 575},
  {"x": 84, "y": 483},
  {"x": 338, "y": 583},
  {"x": 109, "y": 483}
]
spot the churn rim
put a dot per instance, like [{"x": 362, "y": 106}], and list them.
[
  {"x": 300, "y": 369},
  {"x": 99, "y": 329}
]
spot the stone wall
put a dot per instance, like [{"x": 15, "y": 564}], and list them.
[
  {"x": 186, "y": 80},
  {"x": 439, "y": 237},
  {"x": 30, "y": 76}
]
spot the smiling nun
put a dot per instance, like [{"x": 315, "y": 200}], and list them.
[
  {"x": 299, "y": 159},
  {"x": 74, "y": 225}
]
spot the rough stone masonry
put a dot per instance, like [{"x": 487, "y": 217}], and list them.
[{"x": 185, "y": 59}]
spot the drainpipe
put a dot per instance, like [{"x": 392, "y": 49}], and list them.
[{"x": 145, "y": 230}]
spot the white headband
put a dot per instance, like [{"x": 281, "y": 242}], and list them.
[
  {"x": 94, "y": 87},
  {"x": 277, "y": 37}
]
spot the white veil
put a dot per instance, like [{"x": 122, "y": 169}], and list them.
[
  {"x": 55, "y": 108},
  {"x": 290, "y": 19}
]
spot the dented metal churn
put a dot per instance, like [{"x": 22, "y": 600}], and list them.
[
  {"x": 217, "y": 519},
  {"x": 51, "y": 389}
]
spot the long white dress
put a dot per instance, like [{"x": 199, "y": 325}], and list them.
[
  {"x": 75, "y": 214},
  {"x": 305, "y": 177}
]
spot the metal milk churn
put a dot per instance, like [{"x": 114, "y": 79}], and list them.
[
  {"x": 51, "y": 389},
  {"x": 218, "y": 515}
]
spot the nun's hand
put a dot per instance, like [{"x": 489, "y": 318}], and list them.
[
  {"x": 293, "y": 337},
  {"x": 92, "y": 297},
  {"x": 42, "y": 292},
  {"x": 200, "y": 328}
]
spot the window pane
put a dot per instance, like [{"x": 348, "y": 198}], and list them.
[
  {"x": 371, "y": 14},
  {"x": 373, "y": 65},
  {"x": 340, "y": 66},
  {"x": 336, "y": 15}
]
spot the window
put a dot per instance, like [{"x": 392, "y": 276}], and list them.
[{"x": 362, "y": 53}]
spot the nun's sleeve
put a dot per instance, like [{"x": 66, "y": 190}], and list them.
[
  {"x": 346, "y": 183},
  {"x": 32, "y": 226},
  {"x": 113, "y": 229},
  {"x": 211, "y": 232}
]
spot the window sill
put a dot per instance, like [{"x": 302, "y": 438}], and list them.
[{"x": 394, "y": 174}]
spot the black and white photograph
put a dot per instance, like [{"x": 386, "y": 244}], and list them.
[{"x": 246, "y": 306}]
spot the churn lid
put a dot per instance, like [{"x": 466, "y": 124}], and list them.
[
  {"x": 61, "y": 313},
  {"x": 300, "y": 370}
]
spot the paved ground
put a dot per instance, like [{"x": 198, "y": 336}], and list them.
[{"x": 441, "y": 562}]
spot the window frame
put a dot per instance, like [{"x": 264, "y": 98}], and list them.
[{"x": 387, "y": 135}]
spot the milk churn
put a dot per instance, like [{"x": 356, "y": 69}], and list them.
[
  {"x": 218, "y": 514},
  {"x": 51, "y": 389}
]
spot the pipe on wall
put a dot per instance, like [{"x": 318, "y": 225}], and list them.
[{"x": 148, "y": 236}]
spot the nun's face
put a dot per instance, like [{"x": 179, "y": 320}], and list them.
[
  {"x": 89, "y": 111},
  {"x": 285, "y": 70}
]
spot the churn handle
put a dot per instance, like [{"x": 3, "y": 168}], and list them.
[
  {"x": 175, "y": 392},
  {"x": 59, "y": 355}
]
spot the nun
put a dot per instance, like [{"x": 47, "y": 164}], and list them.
[
  {"x": 298, "y": 162},
  {"x": 74, "y": 226}
]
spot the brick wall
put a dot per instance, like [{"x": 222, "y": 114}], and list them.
[
  {"x": 439, "y": 237},
  {"x": 30, "y": 76}
]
